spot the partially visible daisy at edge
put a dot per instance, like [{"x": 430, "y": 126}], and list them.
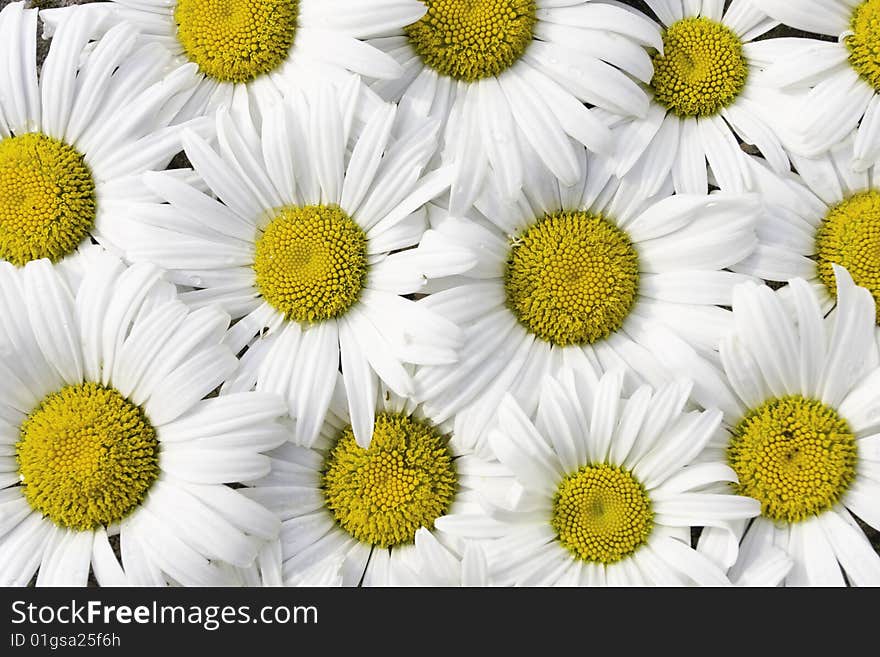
[
  {"x": 799, "y": 394},
  {"x": 827, "y": 215},
  {"x": 299, "y": 247},
  {"x": 352, "y": 516},
  {"x": 562, "y": 276},
  {"x": 832, "y": 85},
  {"x": 509, "y": 79},
  {"x": 75, "y": 140},
  {"x": 105, "y": 430},
  {"x": 707, "y": 95},
  {"x": 602, "y": 489},
  {"x": 250, "y": 53}
]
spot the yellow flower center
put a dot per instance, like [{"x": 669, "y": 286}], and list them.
[
  {"x": 602, "y": 513},
  {"x": 849, "y": 236},
  {"x": 572, "y": 278},
  {"x": 864, "y": 42},
  {"x": 87, "y": 456},
  {"x": 311, "y": 262},
  {"x": 236, "y": 40},
  {"x": 473, "y": 39},
  {"x": 404, "y": 481},
  {"x": 702, "y": 69},
  {"x": 796, "y": 456},
  {"x": 47, "y": 199}
]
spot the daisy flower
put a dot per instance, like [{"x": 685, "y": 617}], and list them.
[
  {"x": 104, "y": 430},
  {"x": 509, "y": 79},
  {"x": 802, "y": 417},
  {"x": 74, "y": 142},
  {"x": 603, "y": 489},
  {"x": 706, "y": 98},
  {"x": 838, "y": 81},
  {"x": 375, "y": 511},
  {"x": 829, "y": 214},
  {"x": 298, "y": 247},
  {"x": 562, "y": 276},
  {"x": 256, "y": 50}
]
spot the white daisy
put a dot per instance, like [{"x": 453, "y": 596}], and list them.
[
  {"x": 603, "y": 489},
  {"x": 375, "y": 511},
  {"x": 74, "y": 143},
  {"x": 565, "y": 274},
  {"x": 838, "y": 81},
  {"x": 255, "y": 51},
  {"x": 706, "y": 97},
  {"x": 104, "y": 429},
  {"x": 509, "y": 79},
  {"x": 829, "y": 214},
  {"x": 803, "y": 417},
  {"x": 300, "y": 246}
]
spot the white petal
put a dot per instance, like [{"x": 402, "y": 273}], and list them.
[
  {"x": 313, "y": 377},
  {"x": 525, "y": 440},
  {"x": 702, "y": 509},
  {"x": 58, "y": 74},
  {"x": 50, "y": 307},
  {"x": 361, "y": 385},
  {"x": 767, "y": 330},
  {"x": 689, "y": 562},
  {"x": 190, "y": 382},
  {"x": 22, "y": 549},
  {"x": 814, "y": 563},
  {"x": 851, "y": 338},
  {"x": 212, "y": 418},
  {"x": 206, "y": 466},
  {"x": 195, "y": 340},
  {"x": 605, "y": 414},
  {"x": 856, "y": 556},
  {"x": 67, "y": 559},
  {"x": 105, "y": 565}
]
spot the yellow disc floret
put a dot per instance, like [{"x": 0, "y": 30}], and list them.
[
  {"x": 87, "y": 456},
  {"x": 864, "y": 42},
  {"x": 602, "y": 514},
  {"x": 796, "y": 456},
  {"x": 572, "y": 278},
  {"x": 236, "y": 40},
  {"x": 702, "y": 69},
  {"x": 47, "y": 199},
  {"x": 473, "y": 39},
  {"x": 849, "y": 236},
  {"x": 405, "y": 480},
  {"x": 311, "y": 262}
]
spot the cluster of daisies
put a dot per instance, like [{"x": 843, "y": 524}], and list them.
[{"x": 445, "y": 293}]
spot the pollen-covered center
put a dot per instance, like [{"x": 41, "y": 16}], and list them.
[
  {"x": 849, "y": 236},
  {"x": 796, "y": 456},
  {"x": 405, "y": 480},
  {"x": 602, "y": 513},
  {"x": 701, "y": 70},
  {"x": 572, "y": 278},
  {"x": 87, "y": 456},
  {"x": 236, "y": 40},
  {"x": 47, "y": 198},
  {"x": 311, "y": 262},
  {"x": 864, "y": 42},
  {"x": 473, "y": 39}
]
